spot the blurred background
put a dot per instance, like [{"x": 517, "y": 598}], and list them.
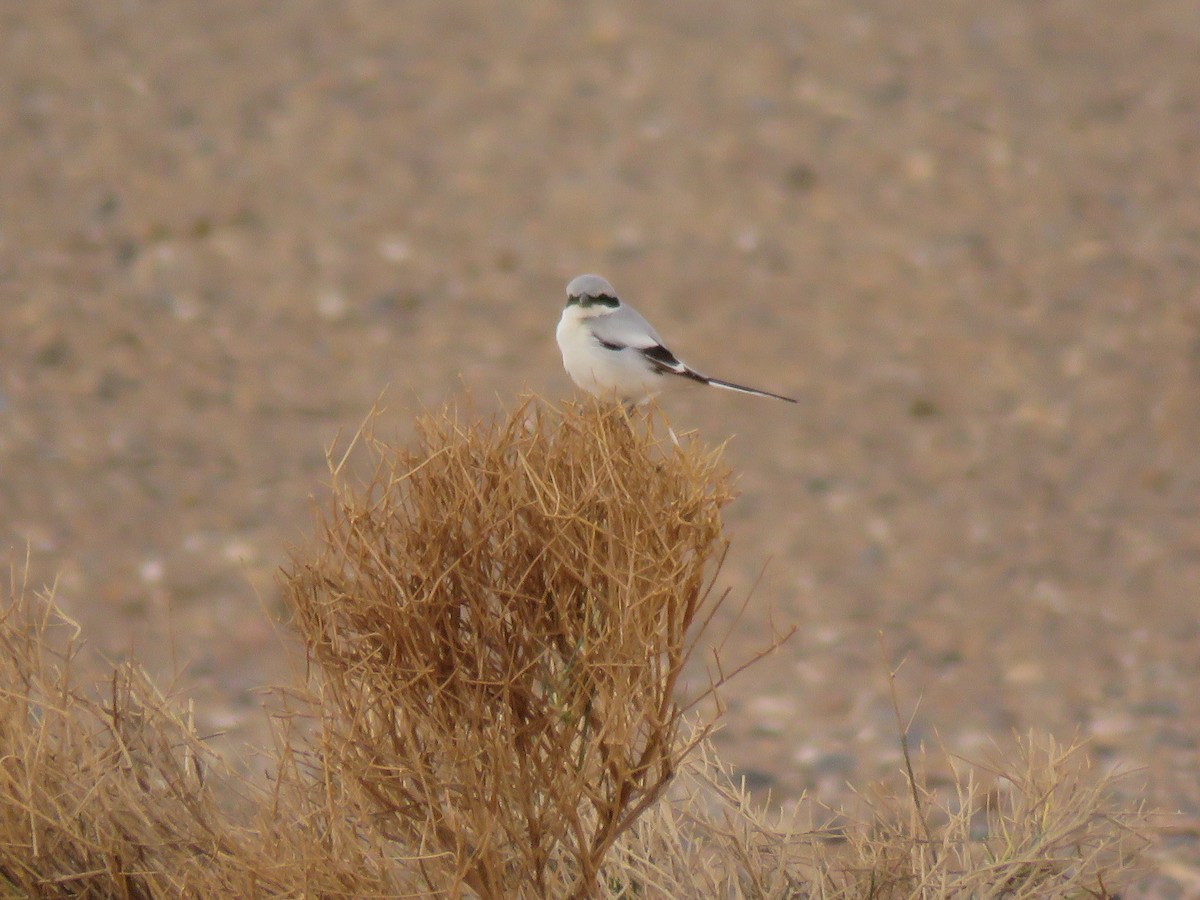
[{"x": 965, "y": 236}]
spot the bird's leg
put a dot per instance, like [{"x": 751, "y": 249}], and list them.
[{"x": 631, "y": 406}]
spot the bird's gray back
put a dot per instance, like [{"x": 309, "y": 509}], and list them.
[{"x": 626, "y": 327}]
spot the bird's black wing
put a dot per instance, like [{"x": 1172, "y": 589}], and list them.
[{"x": 664, "y": 362}]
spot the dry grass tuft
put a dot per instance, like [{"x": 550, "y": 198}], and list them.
[
  {"x": 1036, "y": 823},
  {"x": 498, "y": 619},
  {"x": 99, "y": 796}
]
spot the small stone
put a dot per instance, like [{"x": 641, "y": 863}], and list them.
[
  {"x": 331, "y": 304},
  {"x": 152, "y": 571},
  {"x": 395, "y": 248},
  {"x": 800, "y": 177}
]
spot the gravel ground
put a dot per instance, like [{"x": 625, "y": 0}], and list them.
[{"x": 966, "y": 236}]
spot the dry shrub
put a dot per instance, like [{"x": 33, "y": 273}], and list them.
[
  {"x": 498, "y": 619},
  {"x": 500, "y": 616}
]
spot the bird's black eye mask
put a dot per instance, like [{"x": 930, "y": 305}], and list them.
[{"x": 585, "y": 300}]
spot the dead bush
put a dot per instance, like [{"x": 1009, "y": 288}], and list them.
[{"x": 500, "y": 616}]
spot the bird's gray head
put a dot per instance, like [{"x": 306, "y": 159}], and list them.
[{"x": 591, "y": 290}]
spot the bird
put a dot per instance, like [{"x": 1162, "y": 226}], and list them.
[{"x": 610, "y": 350}]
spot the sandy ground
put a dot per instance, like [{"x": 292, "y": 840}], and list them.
[{"x": 964, "y": 235}]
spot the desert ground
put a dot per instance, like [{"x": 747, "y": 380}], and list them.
[{"x": 965, "y": 236}]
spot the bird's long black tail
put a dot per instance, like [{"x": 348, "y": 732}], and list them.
[
  {"x": 666, "y": 363},
  {"x": 742, "y": 389}
]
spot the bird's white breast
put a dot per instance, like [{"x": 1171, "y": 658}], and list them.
[{"x": 624, "y": 374}]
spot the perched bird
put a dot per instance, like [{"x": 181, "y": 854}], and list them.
[{"x": 609, "y": 350}]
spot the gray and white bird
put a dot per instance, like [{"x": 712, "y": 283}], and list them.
[{"x": 609, "y": 350}]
